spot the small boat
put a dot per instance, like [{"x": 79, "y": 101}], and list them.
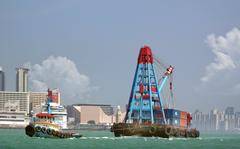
[{"x": 44, "y": 126}]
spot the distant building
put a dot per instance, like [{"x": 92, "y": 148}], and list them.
[
  {"x": 14, "y": 101},
  {"x": 55, "y": 96},
  {"x": 229, "y": 111},
  {"x": 214, "y": 120},
  {"x": 217, "y": 120},
  {"x": 229, "y": 119},
  {"x": 201, "y": 120},
  {"x": 14, "y": 109},
  {"x": 37, "y": 99},
  {"x": 237, "y": 122},
  {"x": 2, "y": 80},
  {"x": 118, "y": 115},
  {"x": 22, "y": 79},
  {"x": 73, "y": 114},
  {"x": 91, "y": 113}
]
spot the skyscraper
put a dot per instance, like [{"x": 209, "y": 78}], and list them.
[
  {"x": 229, "y": 111},
  {"x": 2, "y": 80},
  {"x": 22, "y": 79}
]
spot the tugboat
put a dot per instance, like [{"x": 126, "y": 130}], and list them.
[
  {"x": 44, "y": 126},
  {"x": 146, "y": 114}
]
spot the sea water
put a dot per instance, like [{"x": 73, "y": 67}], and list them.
[{"x": 16, "y": 139}]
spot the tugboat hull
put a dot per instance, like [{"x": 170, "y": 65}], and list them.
[
  {"x": 156, "y": 130},
  {"x": 38, "y": 131}
]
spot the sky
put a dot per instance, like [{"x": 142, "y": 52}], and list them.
[{"x": 89, "y": 49}]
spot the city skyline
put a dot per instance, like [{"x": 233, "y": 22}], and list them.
[
  {"x": 90, "y": 51},
  {"x": 217, "y": 120}
]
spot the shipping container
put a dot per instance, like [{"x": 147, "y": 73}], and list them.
[
  {"x": 153, "y": 88},
  {"x": 146, "y": 115},
  {"x": 156, "y": 108},
  {"x": 172, "y": 113},
  {"x": 173, "y": 121},
  {"x": 183, "y": 123},
  {"x": 183, "y": 115},
  {"x": 138, "y": 96},
  {"x": 145, "y": 105},
  {"x": 158, "y": 114},
  {"x": 146, "y": 96},
  {"x": 159, "y": 121},
  {"x": 136, "y": 105}
]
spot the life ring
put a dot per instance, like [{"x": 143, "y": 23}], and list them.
[
  {"x": 44, "y": 130},
  {"x": 130, "y": 130},
  {"x": 193, "y": 133},
  {"x": 53, "y": 132},
  {"x": 62, "y": 135},
  {"x": 152, "y": 130},
  {"x": 56, "y": 133},
  {"x": 49, "y": 131},
  {"x": 59, "y": 134},
  {"x": 38, "y": 129},
  {"x": 197, "y": 133},
  {"x": 65, "y": 135},
  {"x": 176, "y": 132},
  {"x": 68, "y": 135},
  {"x": 187, "y": 133},
  {"x": 168, "y": 131}
]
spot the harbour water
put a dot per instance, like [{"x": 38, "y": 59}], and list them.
[{"x": 16, "y": 139}]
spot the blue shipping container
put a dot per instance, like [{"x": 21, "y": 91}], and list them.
[
  {"x": 173, "y": 121},
  {"x": 172, "y": 113}
]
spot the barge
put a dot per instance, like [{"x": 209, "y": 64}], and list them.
[{"x": 146, "y": 114}]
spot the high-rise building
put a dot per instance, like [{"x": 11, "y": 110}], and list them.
[
  {"x": 2, "y": 80},
  {"x": 14, "y": 109},
  {"x": 22, "y": 79},
  {"x": 37, "y": 99},
  {"x": 229, "y": 118},
  {"x": 229, "y": 111},
  {"x": 14, "y": 101}
]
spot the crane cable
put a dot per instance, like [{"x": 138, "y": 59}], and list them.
[{"x": 167, "y": 93}]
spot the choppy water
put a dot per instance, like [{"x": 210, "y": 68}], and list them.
[{"x": 16, "y": 138}]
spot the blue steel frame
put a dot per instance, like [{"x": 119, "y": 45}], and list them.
[
  {"x": 159, "y": 89},
  {"x": 141, "y": 71},
  {"x": 150, "y": 91},
  {"x": 48, "y": 105},
  {"x": 132, "y": 98}
]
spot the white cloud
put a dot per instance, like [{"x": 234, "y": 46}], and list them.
[
  {"x": 227, "y": 53},
  {"x": 59, "y": 72}
]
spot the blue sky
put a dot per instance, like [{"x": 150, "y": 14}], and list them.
[{"x": 100, "y": 41}]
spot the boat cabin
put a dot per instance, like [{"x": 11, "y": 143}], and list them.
[{"x": 45, "y": 117}]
